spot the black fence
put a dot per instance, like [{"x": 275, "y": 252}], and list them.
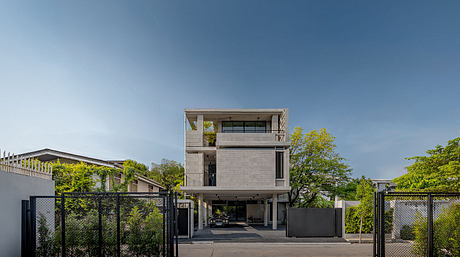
[
  {"x": 314, "y": 222},
  {"x": 100, "y": 224},
  {"x": 416, "y": 224}
]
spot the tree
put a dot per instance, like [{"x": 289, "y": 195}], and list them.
[
  {"x": 347, "y": 191},
  {"x": 439, "y": 171},
  {"x": 364, "y": 193},
  {"x": 315, "y": 167},
  {"x": 169, "y": 173}
]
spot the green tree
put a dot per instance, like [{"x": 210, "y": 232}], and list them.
[
  {"x": 169, "y": 173},
  {"x": 315, "y": 167},
  {"x": 364, "y": 193},
  {"x": 439, "y": 171}
]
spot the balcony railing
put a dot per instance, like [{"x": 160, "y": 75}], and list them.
[{"x": 30, "y": 167}]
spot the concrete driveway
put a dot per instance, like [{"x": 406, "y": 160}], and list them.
[
  {"x": 254, "y": 234},
  {"x": 204, "y": 249}
]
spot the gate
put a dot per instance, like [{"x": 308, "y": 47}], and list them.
[
  {"x": 416, "y": 224},
  {"x": 314, "y": 222},
  {"x": 100, "y": 224}
]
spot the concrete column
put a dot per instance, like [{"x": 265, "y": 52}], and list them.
[
  {"x": 199, "y": 123},
  {"x": 275, "y": 212},
  {"x": 200, "y": 212},
  {"x": 205, "y": 214},
  {"x": 266, "y": 212}
]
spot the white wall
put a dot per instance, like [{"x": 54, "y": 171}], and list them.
[{"x": 13, "y": 189}]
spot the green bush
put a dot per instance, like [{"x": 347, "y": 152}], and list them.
[
  {"x": 45, "y": 246},
  {"x": 407, "y": 232},
  {"x": 446, "y": 233},
  {"x": 352, "y": 220}
]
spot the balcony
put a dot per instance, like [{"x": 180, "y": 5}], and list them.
[{"x": 277, "y": 138}]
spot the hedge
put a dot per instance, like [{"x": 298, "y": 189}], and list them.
[{"x": 352, "y": 221}]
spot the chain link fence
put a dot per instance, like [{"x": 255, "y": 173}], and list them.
[
  {"x": 421, "y": 224},
  {"x": 100, "y": 224}
]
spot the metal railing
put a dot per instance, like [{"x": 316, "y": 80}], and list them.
[
  {"x": 30, "y": 167},
  {"x": 419, "y": 224}
]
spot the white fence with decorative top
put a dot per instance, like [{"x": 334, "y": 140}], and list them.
[{"x": 25, "y": 166}]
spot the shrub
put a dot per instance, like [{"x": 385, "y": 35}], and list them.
[
  {"x": 45, "y": 247},
  {"x": 352, "y": 220},
  {"x": 446, "y": 233},
  {"x": 407, "y": 232}
]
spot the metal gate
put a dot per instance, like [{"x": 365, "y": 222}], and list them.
[
  {"x": 416, "y": 224},
  {"x": 314, "y": 222},
  {"x": 100, "y": 224}
]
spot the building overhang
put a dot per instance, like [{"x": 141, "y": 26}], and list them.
[{"x": 246, "y": 193}]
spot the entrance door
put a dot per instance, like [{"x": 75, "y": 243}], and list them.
[{"x": 183, "y": 221}]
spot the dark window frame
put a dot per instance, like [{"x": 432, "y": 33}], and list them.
[
  {"x": 245, "y": 129},
  {"x": 279, "y": 165}
]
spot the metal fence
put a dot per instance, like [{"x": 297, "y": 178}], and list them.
[
  {"x": 100, "y": 224},
  {"x": 416, "y": 224}
]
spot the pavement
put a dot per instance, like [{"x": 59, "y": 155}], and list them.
[
  {"x": 243, "y": 233},
  {"x": 207, "y": 249},
  {"x": 241, "y": 240}
]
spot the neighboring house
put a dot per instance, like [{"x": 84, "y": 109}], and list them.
[
  {"x": 384, "y": 185},
  {"x": 141, "y": 184},
  {"x": 240, "y": 166}
]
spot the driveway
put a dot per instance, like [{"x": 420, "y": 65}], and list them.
[
  {"x": 254, "y": 234},
  {"x": 274, "y": 249}
]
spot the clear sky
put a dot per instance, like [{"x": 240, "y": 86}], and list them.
[{"x": 110, "y": 79}]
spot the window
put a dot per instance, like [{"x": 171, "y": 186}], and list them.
[
  {"x": 151, "y": 188},
  {"x": 134, "y": 185},
  {"x": 117, "y": 179},
  {"x": 279, "y": 164},
  {"x": 243, "y": 126}
]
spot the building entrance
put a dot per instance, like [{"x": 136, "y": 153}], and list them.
[{"x": 235, "y": 210}]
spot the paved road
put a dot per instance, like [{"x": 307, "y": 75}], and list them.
[{"x": 273, "y": 250}]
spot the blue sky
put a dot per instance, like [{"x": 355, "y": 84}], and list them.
[{"x": 110, "y": 79}]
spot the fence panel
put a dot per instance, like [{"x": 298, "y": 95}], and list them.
[
  {"x": 417, "y": 224},
  {"x": 101, "y": 224}
]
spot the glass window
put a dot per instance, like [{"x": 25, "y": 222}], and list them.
[
  {"x": 260, "y": 127},
  {"x": 227, "y": 126},
  {"x": 279, "y": 164},
  {"x": 250, "y": 126},
  {"x": 238, "y": 127}
]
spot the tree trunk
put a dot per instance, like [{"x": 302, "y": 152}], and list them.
[{"x": 360, "y": 228}]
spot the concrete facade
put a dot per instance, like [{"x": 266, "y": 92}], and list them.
[
  {"x": 14, "y": 188},
  {"x": 236, "y": 160}
]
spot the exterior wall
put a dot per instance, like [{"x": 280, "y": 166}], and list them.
[
  {"x": 194, "y": 169},
  {"x": 244, "y": 138},
  {"x": 245, "y": 167},
  {"x": 13, "y": 189},
  {"x": 194, "y": 138}
]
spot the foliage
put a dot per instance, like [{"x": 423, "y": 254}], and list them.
[
  {"x": 45, "y": 246},
  {"x": 145, "y": 234},
  {"x": 353, "y": 219},
  {"x": 364, "y": 193},
  {"x": 347, "y": 191},
  {"x": 169, "y": 174},
  {"x": 315, "y": 167},
  {"x": 439, "y": 171},
  {"x": 407, "y": 232},
  {"x": 446, "y": 233}
]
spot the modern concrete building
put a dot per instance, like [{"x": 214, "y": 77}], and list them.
[{"x": 237, "y": 161}]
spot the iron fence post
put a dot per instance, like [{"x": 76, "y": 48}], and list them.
[
  {"x": 164, "y": 225},
  {"x": 118, "y": 226},
  {"x": 33, "y": 229},
  {"x": 63, "y": 250},
  {"x": 176, "y": 232},
  {"x": 429, "y": 226},
  {"x": 25, "y": 228},
  {"x": 171, "y": 227},
  {"x": 381, "y": 224},
  {"x": 99, "y": 227},
  {"x": 374, "y": 227}
]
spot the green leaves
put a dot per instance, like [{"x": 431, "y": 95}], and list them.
[
  {"x": 439, "y": 171},
  {"x": 315, "y": 167},
  {"x": 169, "y": 173}
]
